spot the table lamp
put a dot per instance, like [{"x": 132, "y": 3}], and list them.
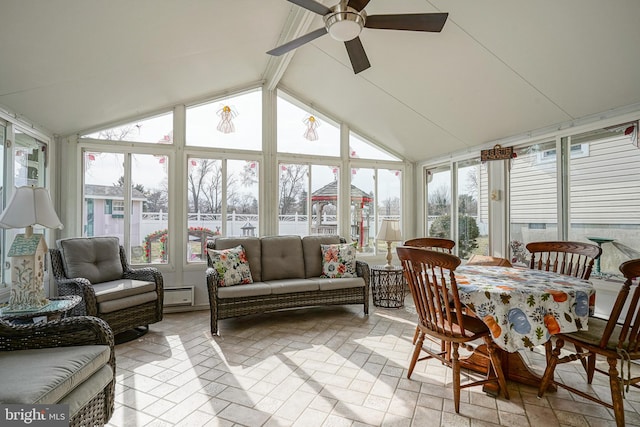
[
  {"x": 28, "y": 206},
  {"x": 389, "y": 232}
]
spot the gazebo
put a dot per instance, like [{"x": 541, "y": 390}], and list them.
[{"x": 329, "y": 194}]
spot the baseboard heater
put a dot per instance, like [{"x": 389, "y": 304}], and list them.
[{"x": 178, "y": 296}]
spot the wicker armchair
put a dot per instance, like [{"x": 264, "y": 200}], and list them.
[
  {"x": 86, "y": 408},
  {"x": 96, "y": 269}
]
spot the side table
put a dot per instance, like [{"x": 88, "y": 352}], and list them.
[
  {"x": 57, "y": 308},
  {"x": 387, "y": 285}
]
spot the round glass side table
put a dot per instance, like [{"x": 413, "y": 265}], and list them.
[
  {"x": 57, "y": 308},
  {"x": 388, "y": 286}
]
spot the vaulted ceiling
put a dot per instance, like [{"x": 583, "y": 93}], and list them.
[{"x": 498, "y": 68}]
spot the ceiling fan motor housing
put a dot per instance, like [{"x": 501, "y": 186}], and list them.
[{"x": 344, "y": 23}]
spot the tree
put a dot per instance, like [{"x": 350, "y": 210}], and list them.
[
  {"x": 118, "y": 134},
  {"x": 244, "y": 203},
  {"x": 468, "y": 232},
  {"x": 439, "y": 201},
  {"x": 156, "y": 201},
  {"x": 390, "y": 206},
  {"x": 120, "y": 183},
  {"x": 292, "y": 179},
  {"x": 467, "y": 204},
  {"x": 196, "y": 181}
]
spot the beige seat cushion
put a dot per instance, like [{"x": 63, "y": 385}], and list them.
[
  {"x": 288, "y": 286},
  {"x": 42, "y": 376},
  {"x": 81, "y": 395},
  {"x": 116, "y": 289},
  {"x": 126, "y": 302},
  {"x": 243, "y": 291},
  {"x": 327, "y": 284}
]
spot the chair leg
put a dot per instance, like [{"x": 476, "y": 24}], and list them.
[
  {"x": 415, "y": 335},
  {"x": 496, "y": 362},
  {"x": 591, "y": 367},
  {"x": 455, "y": 364},
  {"x": 548, "y": 348},
  {"x": 589, "y": 364},
  {"x": 416, "y": 354},
  {"x": 552, "y": 361},
  {"x": 616, "y": 391}
]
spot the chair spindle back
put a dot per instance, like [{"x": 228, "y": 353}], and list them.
[
  {"x": 629, "y": 338},
  {"x": 437, "y": 244},
  {"x": 433, "y": 286},
  {"x": 569, "y": 258}
]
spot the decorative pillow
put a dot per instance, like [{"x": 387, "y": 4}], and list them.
[
  {"x": 338, "y": 261},
  {"x": 232, "y": 266}
]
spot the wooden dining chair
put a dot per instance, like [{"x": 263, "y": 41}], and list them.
[
  {"x": 437, "y": 244},
  {"x": 488, "y": 260},
  {"x": 569, "y": 258},
  {"x": 607, "y": 338},
  {"x": 432, "y": 282}
]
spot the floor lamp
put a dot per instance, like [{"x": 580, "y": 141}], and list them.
[
  {"x": 28, "y": 206},
  {"x": 389, "y": 232}
]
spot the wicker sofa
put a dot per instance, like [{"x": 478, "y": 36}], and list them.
[
  {"x": 69, "y": 361},
  {"x": 286, "y": 273}
]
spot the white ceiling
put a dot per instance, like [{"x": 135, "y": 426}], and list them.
[{"x": 498, "y": 68}]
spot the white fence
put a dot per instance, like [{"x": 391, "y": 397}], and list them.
[{"x": 288, "y": 224}]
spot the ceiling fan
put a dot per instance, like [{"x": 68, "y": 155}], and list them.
[{"x": 345, "y": 21}]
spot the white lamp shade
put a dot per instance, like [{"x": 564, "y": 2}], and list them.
[
  {"x": 30, "y": 206},
  {"x": 389, "y": 231}
]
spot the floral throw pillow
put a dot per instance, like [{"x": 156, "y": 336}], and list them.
[
  {"x": 338, "y": 261},
  {"x": 232, "y": 266}
]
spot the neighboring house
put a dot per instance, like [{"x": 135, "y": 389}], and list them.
[
  {"x": 603, "y": 198},
  {"x": 104, "y": 212}
]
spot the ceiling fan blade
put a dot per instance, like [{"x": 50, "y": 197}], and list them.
[
  {"x": 313, "y": 6},
  {"x": 432, "y": 22},
  {"x": 282, "y": 49},
  {"x": 358, "y": 4},
  {"x": 357, "y": 55}
]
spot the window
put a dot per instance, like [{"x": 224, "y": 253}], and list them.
[
  {"x": 361, "y": 149},
  {"x": 144, "y": 230},
  {"x": 22, "y": 163},
  {"x": 298, "y": 126},
  {"x": 439, "y": 202},
  {"x": 308, "y": 199},
  {"x": 604, "y": 196},
  {"x": 5, "y": 235},
  {"x": 533, "y": 199},
  {"x": 234, "y": 122},
  {"x": 473, "y": 206},
  {"x": 117, "y": 210},
  {"x": 223, "y": 200},
  {"x": 375, "y": 195},
  {"x": 29, "y": 161},
  {"x": 577, "y": 150},
  {"x": 154, "y": 130}
]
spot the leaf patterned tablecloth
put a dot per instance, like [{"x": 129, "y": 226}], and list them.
[{"x": 524, "y": 307}]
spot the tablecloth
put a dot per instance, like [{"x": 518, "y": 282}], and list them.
[{"x": 524, "y": 307}]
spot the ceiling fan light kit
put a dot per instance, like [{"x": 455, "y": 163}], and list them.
[
  {"x": 345, "y": 21},
  {"x": 344, "y": 25}
]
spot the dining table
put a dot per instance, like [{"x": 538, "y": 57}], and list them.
[{"x": 523, "y": 308}]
